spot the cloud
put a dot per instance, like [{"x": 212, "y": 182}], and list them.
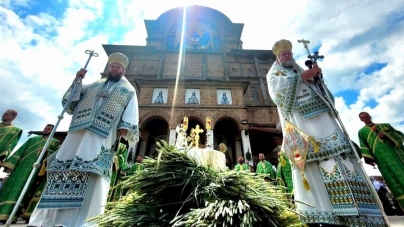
[
  {"x": 351, "y": 43},
  {"x": 14, "y": 3},
  {"x": 38, "y": 72},
  {"x": 43, "y": 47}
]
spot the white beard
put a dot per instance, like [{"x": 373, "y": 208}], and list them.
[{"x": 291, "y": 64}]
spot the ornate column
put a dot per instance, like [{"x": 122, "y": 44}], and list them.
[
  {"x": 172, "y": 136},
  {"x": 209, "y": 139},
  {"x": 209, "y": 133},
  {"x": 239, "y": 150}
]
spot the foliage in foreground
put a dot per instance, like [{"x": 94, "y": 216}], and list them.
[{"x": 175, "y": 191}]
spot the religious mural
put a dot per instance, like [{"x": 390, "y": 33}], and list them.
[
  {"x": 192, "y": 96},
  {"x": 159, "y": 95},
  {"x": 198, "y": 36},
  {"x": 224, "y": 96}
]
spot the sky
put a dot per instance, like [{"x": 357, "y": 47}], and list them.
[{"x": 42, "y": 46}]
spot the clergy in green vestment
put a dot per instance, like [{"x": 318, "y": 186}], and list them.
[
  {"x": 20, "y": 164},
  {"x": 34, "y": 195},
  {"x": 118, "y": 172},
  {"x": 265, "y": 168},
  {"x": 137, "y": 166},
  {"x": 381, "y": 144},
  {"x": 9, "y": 134},
  {"x": 284, "y": 173},
  {"x": 241, "y": 166}
]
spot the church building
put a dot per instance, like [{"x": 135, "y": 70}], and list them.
[{"x": 194, "y": 66}]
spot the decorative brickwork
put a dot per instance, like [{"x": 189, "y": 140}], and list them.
[
  {"x": 259, "y": 115},
  {"x": 208, "y": 96},
  {"x": 138, "y": 65},
  {"x": 135, "y": 66},
  {"x": 203, "y": 68},
  {"x": 253, "y": 96},
  {"x": 265, "y": 61},
  {"x": 244, "y": 59},
  {"x": 238, "y": 97},
  {"x": 178, "y": 115},
  {"x": 231, "y": 46},
  {"x": 231, "y": 58},
  {"x": 149, "y": 114},
  {"x": 249, "y": 70},
  {"x": 170, "y": 64},
  {"x": 145, "y": 57},
  {"x": 234, "y": 69},
  {"x": 150, "y": 67},
  {"x": 145, "y": 96},
  {"x": 193, "y": 65},
  {"x": 263, "y": 70},
  {"x": 179, "y": 99},
  {"x": 215, "y": 66}
]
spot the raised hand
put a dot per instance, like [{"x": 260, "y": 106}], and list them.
[{"x": 81, "y": 73}]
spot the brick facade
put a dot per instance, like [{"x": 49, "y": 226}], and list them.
[{"x": 217, "y": 62}]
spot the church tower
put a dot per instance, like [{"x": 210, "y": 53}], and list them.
[{"x": 197, "y": 68}]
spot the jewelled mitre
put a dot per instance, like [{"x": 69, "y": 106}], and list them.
[
  {"x": 118, "y": 58},
  {"x": 281, "y": 45}
]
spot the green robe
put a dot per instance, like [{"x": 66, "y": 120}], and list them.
[
  {"x": 119, "y": 166},
  {"x": 388, "y": 153},
  {"x": 136, "y": 167},
  {"x": 284, "y": 173},
  {"x": 39, "y": 184},
  {"x": 9, "y": 136},
  {"x": 265, "y": 168},
  {"x": 242, "y": 167},
  {"x": 20, "y": 162}
]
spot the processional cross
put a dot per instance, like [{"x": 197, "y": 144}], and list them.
[
  {"x": 309, "y": 63},
  {"x": 195, "y": 133},
  {"x": 313, "y": 57}
]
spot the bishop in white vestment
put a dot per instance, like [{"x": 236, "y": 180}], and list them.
[
  {"x": 329, "y": 185},
  {"x": 79, "y": 175}
]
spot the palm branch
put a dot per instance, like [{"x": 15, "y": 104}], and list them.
[{"x": 175, "y": 190}]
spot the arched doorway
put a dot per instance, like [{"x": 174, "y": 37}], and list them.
[
  {"x": 192, "y": 122},
  {"x": 156, "y": 129},
  {"x": 226, "y": 131},
  {"x": 265, "y": 140}
]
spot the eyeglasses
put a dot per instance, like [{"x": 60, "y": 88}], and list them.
[{"x": 284, "y": 54}]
